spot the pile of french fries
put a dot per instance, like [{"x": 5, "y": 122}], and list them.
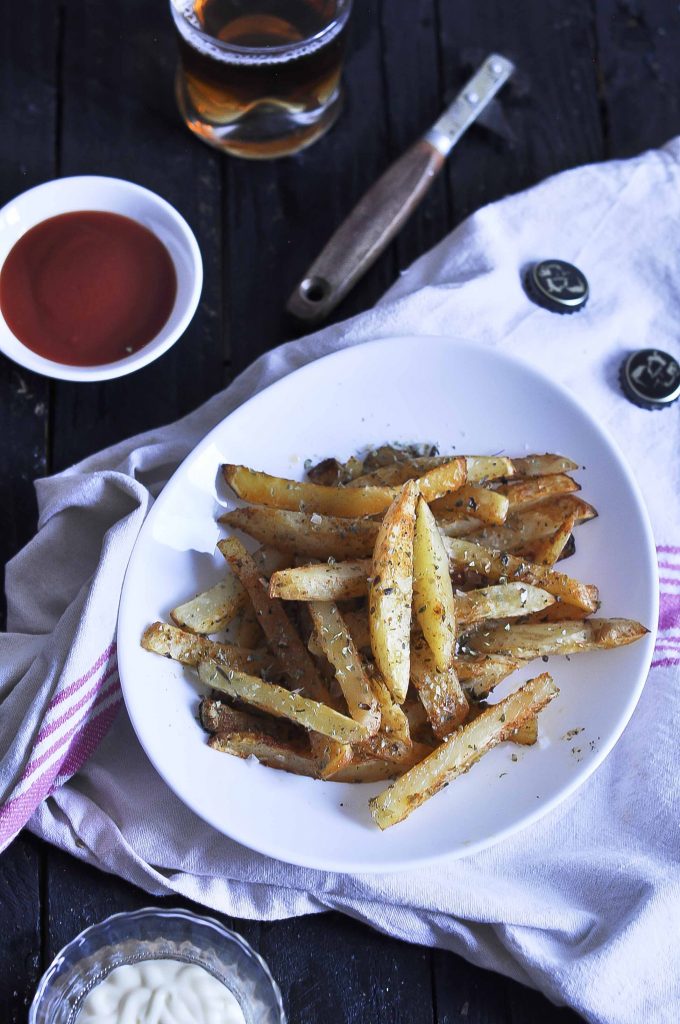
[{"x": 388, "y": 596}]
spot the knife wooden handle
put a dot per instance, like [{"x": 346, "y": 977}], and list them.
[{"x": 368, "y": 230}]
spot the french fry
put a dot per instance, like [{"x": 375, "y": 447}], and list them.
[
  {"x": 471, "y": 501},
  {"x": 540, "y": 465},
  {"x": 334, "y": 581},
  {"x": 386, "y": 749},
  {"x": 333, "y": 473},
  {"x": 460, "y": 751},
  {"x": 537, "y": 640},
  {"x": 283, "y": 638},
  {"x": 218, "y": 717},
  {"x": 465, "y": 556},
  {"x": 547, "y": 550},
  {"x": 190, "y": 649},
  {"x": 441, "y": 694},
  {"x": 313, "y": 536},
  {"x": 391, "y": 592},
  {"x": 522, "y": 492},
  {"x": 338, "y": 646},
  {"x": 478, "y": 469},
  {"x": 525, "y": 735},
  {"x": 393, "y": 721},
  {"x": 277, "y": 627},
  {"x": 274, "y": 753},
  {"x": 373, "y": 769},
  {"x": 432, "y": 591},
  {"x": 264, "y": 489},
  {"x": 246, "y": 631},
  {"x": 214, "y": 609},
  {"x": 535, "y": 522},
  {"x": 276, "y": 700},
  {"x": 479, "y": 675},
  {"x": 502, "y": 601}
]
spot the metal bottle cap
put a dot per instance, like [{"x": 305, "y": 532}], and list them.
[
  {"x": 651, "y": 378},
  {"x": 557, "y": 286}
]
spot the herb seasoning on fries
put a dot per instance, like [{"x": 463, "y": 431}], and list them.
[{"x": 389, "y": 595}]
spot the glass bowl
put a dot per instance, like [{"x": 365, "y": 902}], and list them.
[{"x": 152, "y": 934}]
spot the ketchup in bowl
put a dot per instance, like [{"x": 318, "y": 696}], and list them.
[{"x": 87, "y": 288}]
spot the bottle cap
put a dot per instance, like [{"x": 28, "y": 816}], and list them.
[
  {"x": 557, "y": 286},
  {"x": 651, "y": 378}
]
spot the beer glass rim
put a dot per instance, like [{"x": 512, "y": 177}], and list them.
[{"x": 342, "y": 12}]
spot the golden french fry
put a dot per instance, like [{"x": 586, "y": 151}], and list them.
[
  {"x": 466, "y": 556},
  {"x": 459, "y": 752},
  {"x": 393, "y": 722},
  {"x": 525, "y": 735},
  {"x": 190, "y": 649},
  {"x": 277, "y": 627},
  {"x": 391, "y": 592},
  {"x": 333, "y": 473},
  {"x": 441, "y": 694},
  {"x": 432, "y": 591},
  {"x": 246, "y": 631},
  {"x": 547, "y": 550},
  {"x": 276, "y": 700},
  {"x": 540, "y": 465},
  {"x": 285, "y": 755},
  {"x": 522, "y": 492},
  {"x": 479, "y": 675},
  {"x": 535, "y": 522},
  {"x": 502, "y": 601},
  {"x": 537, "y": 640},
  {"x": 283, "y": 638},
  {"x": 334, "y": 581},
  {"x": 338, "y": 646},
  {"x": 471, "y": 501},
  {"x": 478, "y": 468},
  {"x": 374, "y": 769},
  {"x": 214, "y": 609},
  {"x": 264, "y": 489},
  {"x": 218, "y": 717},
  {"x": 309, "y": 535}
]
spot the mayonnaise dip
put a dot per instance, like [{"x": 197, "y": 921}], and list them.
[{"x": 160, "y": 992}]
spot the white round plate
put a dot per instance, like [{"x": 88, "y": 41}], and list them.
[{"x": 467, "y": 400}]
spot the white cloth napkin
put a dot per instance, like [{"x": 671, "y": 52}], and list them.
[{"x": 585, "y": 905}]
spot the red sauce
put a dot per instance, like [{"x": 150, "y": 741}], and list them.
[{"x": 87, "y": 288}]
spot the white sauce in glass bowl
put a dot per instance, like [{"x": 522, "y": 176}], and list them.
[{"x": 160, "y": 992}]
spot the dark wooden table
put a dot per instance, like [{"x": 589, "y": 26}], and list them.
[{"x": 86, "y": 87}]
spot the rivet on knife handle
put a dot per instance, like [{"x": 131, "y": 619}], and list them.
[{"x": 388, "y": 204}]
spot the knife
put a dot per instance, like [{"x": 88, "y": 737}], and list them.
[{"x": 388, "y": 204}]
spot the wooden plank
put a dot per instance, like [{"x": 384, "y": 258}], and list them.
[
  {"x": 639, "y": 73},
  {"x": 551, "y": 106},
  {"x": 78, "y": 895},
  {"x": 415, "y": 99},
  {"x": 119, "y": 119},
  {"x": 20, "y": 962},
  {"x": 278, "y": 215},
  {"x": 333, "y": 968},
  {"x": 465, "y": 994},
  {"x": 28, "y": 113}
]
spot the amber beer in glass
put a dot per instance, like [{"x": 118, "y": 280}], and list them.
[{"x": 260, "y": 78}]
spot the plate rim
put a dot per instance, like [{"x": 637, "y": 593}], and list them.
[{"x": 584, "y": 771}]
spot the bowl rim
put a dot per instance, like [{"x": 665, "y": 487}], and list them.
[
  {"x": 162, "y": 913},
  {"x": 165, "y": 339}
]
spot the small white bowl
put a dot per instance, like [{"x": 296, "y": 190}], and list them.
[{"x": 110, "y": 195}]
